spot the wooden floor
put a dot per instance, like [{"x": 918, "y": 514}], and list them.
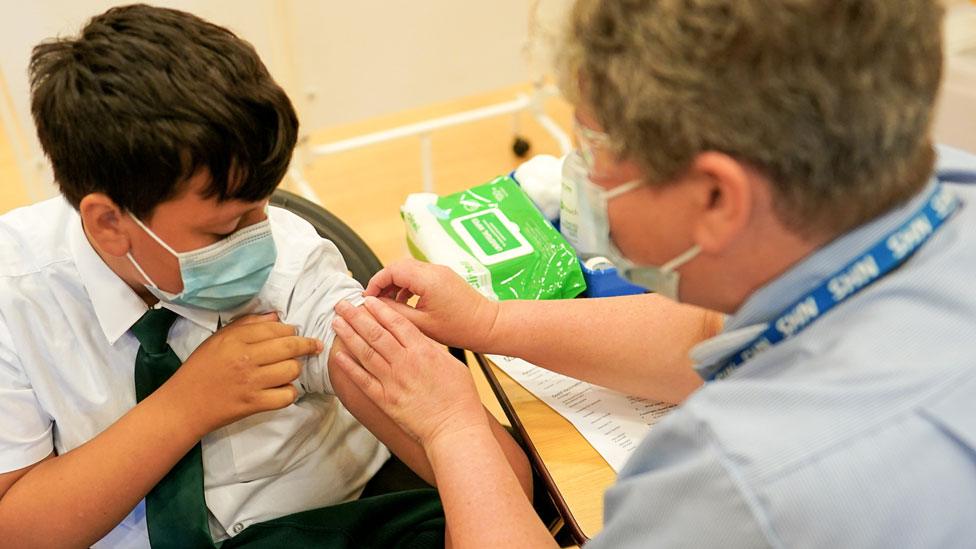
[{"x": 366, "y": 187}]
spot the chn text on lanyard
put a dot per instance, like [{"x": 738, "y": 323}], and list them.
[{"x": 884, "y": 256}]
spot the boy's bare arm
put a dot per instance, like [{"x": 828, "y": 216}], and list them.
[
  {"x": 403, "y": 445},
  {"x": 8, "y": 479},
  {"x": 75, "y": 499}
]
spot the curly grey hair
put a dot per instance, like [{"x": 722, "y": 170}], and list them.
[{"x": 831, "y": 99}]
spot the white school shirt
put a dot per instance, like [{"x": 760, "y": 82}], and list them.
[{"x": 67, "y": 366}]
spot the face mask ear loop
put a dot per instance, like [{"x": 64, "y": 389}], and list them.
[
  {"x": 154, "y": 237},
  {"x": 157, "y": 239},
  {"x": 621, "y": 189},
  {"x": 672, "y": 265},
  {"x": 142, "y": 272}
]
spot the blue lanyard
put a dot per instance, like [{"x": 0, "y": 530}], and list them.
[
  {"x": 884, "y": 256},
  {"x": 958, "y": 175}
]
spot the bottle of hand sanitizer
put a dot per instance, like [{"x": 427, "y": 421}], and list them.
[{"x": 572, "y": 218}]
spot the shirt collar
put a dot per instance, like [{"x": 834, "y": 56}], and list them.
[
  {"x": 117, "y": 306},
  {"x": 768, "y": 301}
]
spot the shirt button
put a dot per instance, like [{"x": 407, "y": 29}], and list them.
[{"x": 238, "y": 527}]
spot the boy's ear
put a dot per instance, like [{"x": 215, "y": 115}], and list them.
[{"x": 104, "y": 223}]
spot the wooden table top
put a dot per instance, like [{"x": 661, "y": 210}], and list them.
[{"x": 577, "y": 471}]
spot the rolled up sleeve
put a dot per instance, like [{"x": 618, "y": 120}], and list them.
[{"x": 322, "y": 284}]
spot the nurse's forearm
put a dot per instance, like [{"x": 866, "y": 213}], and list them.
[
  {"x": 634, "y": 344},
  {"x": 483, "y": 501},
  {"x": 75, "y": 499}
]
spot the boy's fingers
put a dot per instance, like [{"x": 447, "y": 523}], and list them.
[
  {"x": 251, "y": 319},
  {"x": 256, "y": 332},
  {"x": 277, "y": 374},
  {"x": 284, "y": 348},
  {"x": 278, "y": 397}
]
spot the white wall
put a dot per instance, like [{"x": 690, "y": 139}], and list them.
[
  {"x": 383, "y": 56},
  {"x": 356, "y": 59},
  {"x": 339, "y": 60},
  {"x": 955, "y": 121},
  {"x": 344, "y": 60}
]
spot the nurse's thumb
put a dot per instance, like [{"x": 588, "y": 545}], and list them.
[{"x": 413, "y": 315}]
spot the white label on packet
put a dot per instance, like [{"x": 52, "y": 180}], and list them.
[
  {"x": 427, "y": 234},
  {"x": 491, "y": 236}
]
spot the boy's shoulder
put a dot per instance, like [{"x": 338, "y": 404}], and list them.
[
  {"x": 36, "y": 236},
  {"x": 297, "y": 242},
  {"x": 284, "y": 222},
  {"x": 307, "y": 265}
]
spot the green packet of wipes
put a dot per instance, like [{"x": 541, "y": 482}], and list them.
[{"x": 494, "y": 237}]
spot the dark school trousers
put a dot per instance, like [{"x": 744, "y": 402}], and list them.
[{"x": 397, "y": 510}]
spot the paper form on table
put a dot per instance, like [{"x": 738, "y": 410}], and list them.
[{"x": 613, "y": 423}]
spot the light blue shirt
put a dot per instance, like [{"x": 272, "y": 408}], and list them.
[{"x": 858, "y": 432}]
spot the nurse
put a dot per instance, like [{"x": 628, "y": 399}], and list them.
[{"x": 770, "y": 165}]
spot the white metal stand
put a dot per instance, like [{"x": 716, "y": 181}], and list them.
[{"x": 533, "y": 103}]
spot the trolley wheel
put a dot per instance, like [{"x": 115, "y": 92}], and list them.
[{"x": 520, "y": 146}]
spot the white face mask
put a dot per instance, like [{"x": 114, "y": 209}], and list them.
[{"x": 662, "y": 280}]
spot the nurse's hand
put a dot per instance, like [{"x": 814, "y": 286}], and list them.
[
  {"x": 411, "y": 378},
  {"x": 448, "y": 309}
]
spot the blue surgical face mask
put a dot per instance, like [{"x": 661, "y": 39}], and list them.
[
  {"x": 662, "y": 280},
  {"x": 223, "y": 275}
]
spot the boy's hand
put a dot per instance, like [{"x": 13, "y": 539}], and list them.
[
  {"x": 245, "y": 368},
  {"x": 448, "y": 310}
]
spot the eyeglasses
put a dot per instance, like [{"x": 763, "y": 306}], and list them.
[{"x": 590, "y": 141}]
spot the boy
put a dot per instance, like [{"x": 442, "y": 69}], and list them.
[{"x": 167, "y": 136}]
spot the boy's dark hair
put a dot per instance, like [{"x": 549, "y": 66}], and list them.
[{"x": 147, "y": 96}]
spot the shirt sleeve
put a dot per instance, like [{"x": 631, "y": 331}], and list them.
[
  {"x": 25, "y": 428},
  {"x": 323, "y": 282},
  {"x": 677, "y": 492}
]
